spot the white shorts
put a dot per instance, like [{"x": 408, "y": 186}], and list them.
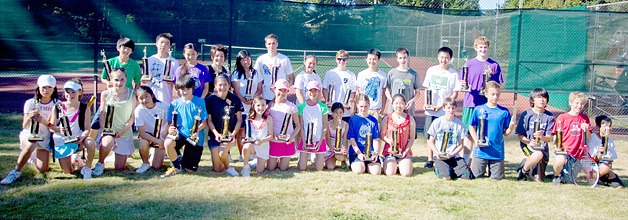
[
  {"x": 45, "y": 144},
  {"x": 124, "y": 145},
  {"x": 262, "y": 150}
]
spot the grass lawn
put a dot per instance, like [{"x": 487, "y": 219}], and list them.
[{"x": 296, "y": 195}]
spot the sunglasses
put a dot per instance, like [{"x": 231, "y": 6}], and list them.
[
  {"x": 344, "y": 59},
  {"x": 119, "y": 69}
]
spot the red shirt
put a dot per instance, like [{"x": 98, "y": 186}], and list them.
[{"x": 572, "y": 134}]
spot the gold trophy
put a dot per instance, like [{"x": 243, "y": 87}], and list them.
[
  {"x": 443, "y": 155},
  {"x": 330, "y": 95},
  {"x": 174, "y": 135},
  {"x": 367, "y": 147},
  {"x": 65, "y": 124},
  {"x": 605, "y": 155},
  {"x": 157, "y": 129},
  {"x": 309, "y": 137},
  {"x": 35, "y": 125},
  {"x": 465, "y": 78},
  {"x": 108, "y": 129},
  {"x": 428, "y": 99},
  {"x": 107, "y": 65},
  {"x": 248, "y": 132},
  {"x": 338, "y": 141},
  {"x": 537, "y": 126},
  {"x": 226, "y": 135},
  {"x": 166, "y": 75},
  {"x": 482, "y": 139},
  {"x": 486, "y": 76},
  {"x": 283, "y": 135},
  {"x": 249, "y": 88},
  {"x": 396, "y": 151},
  {"x": 559, "y": 139},
  {"x": 197, "y": 123},
  {"x": 145, "y": 72}
]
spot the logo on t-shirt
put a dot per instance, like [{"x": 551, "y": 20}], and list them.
[
  {"x": 345, "y": 80},
  {"x": 267, "y": 67},
  {"x": 574, "y": 129},
  {"x": 372, "y": 88}
]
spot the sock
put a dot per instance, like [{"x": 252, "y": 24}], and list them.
[
  {"x": 177, "y": 163},
  {"x": 466, "y": 158}
]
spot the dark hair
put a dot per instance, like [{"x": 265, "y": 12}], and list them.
[
  {"x": 375, "y": 52},
  {"x": 127, "y": 42},
  {"x": 403, "y": 50},
  {"x": 185, "y": 82},
  {"x": 449, "y": 101},
  {"x": 167, "y": 36},
  {"x": 402, "y": 98},
  {"x": 446, "y": 50},
  {"x": 242, "y": 55},
  {"x": 252, "y": 113},
  {"x": 184, "y": 67},
  {"x": 538, "y": 93},
  {"x": 222, "y": 76},
  {"x": 148, "y": 90},
  {"x": 55, "y": 94},
  {"x": 77, "y": 80},
  {"x": 603, "y": 119},
  {"x": 216, "y": 48},
  {"x": 337, "y": 105}
]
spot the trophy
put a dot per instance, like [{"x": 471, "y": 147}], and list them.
[
  {"x": 443, "y": 146},
  {"x": 197, "y": 123},
  {"x": 35, "y": 125},
  {"x": 248, "y": 132},
  {"x": 559, "y": 139},
  {"x": 283, "y": 135},
  {"x": 174, "y": 135},
  {"x": 167, "y": 76},
  {"x": 65, "y": 124},
  {"x": 396, "y": 152},
  {"x": 486, "y": 76},
  {"x": 338, "y": 141},
  {"x": 482, "y": 139},
  {"x": 537, "y": 127},
  {"x": 249, "y": 87},
  {"x": 145, "y": 73},
  {"x": 157, "y": 129},
  {"x": 347, "y": 98},
  {"x": 273, "y": 74},
  {"x": 465, "y": 78},
  {"x": 226, "y": 136},
  {"x": 330, "y": 94},
  {"x": 605, "y": 155},
  {"x": 309, "y": 137},
  {"x": 108, "y": 129},
  {"x": 367, "y": 147},
  {"x": 428, "y": 99},
  {"x": 106, "y": 63}
]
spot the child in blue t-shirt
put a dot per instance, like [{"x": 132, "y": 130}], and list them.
[
  {"x": 360, "y": 126},
  {"x": 498, "y": 125}
]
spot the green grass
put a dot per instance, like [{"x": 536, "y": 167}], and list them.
[{"x": 296, "y": 195}]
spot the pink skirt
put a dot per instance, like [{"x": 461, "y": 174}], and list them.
[
  {"x": 281, "y": 149},
  {"x": 320, "y": 150}
]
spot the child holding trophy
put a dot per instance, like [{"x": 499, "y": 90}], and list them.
[
  {"x": 258, "y": 129},
  {"x": 535, "y": 132},
  {"x": 602, "y": 146},
  {"x": 196, "y": 70},
  {"x": 150, "y": 117},
  {"x": 187, "y": 116},
  {"x": 363, "y": 136},
  {"x": 307, "y": 75},
  {"x": 446, "y": 135},
  {"x": 273, "y": 66},
  {"x": 247, "y": 83},
  {"x": 225, "y": 118},
  {"x": 162, "y": 68},
  {"x": 398, "y": 133},
  {"x": 490, "y": 123},
  {"x": 314, "y": 117},
  {"x": 35, "y": 135},
  {"x": 570, "y": 126},
  {"x": 117, "y": 117},
  {"x": 339, "y": 85},
  {"x": 337, "y": 138},
  {"x": 285, "y": 116}
]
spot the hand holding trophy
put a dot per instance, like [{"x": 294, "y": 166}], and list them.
[
  {"x": 225, "y": 135},
  {"x": 34, "y": 128}
]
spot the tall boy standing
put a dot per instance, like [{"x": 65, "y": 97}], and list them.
[
  {"x": 371, "y": 82},
  {"x": 157, "y": 65},
  {"x": 344, "y": 81},
  {"x": 273, "y": 60}
]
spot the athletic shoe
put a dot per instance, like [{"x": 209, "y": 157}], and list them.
[
  {"x": 521, "y": 175},
  {"x": 11, "y": 177},
  {"x": 429, "y": 165},
  {"x": 86, "y": 172},
  {"x": 246, "y": 171},
  {"x": 99, "y": 168},
  {"x": 556, "y": 181},
  {"x": 343, "y": 165},
  {"x": 170, "y": 172},
  {"x": 143, "y": 168},
  {"x": 253, "y": 163},
  {"x": 231, "y": 171}
]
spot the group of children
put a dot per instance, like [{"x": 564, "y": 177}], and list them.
[{"x": 367, "y": 122}]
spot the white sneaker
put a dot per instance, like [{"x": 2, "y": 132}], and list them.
[
  {"x": 99, "y": 168},
  {"x": 87, "y": 173},
  {"x": 231, "y": 171},
  {"x": 246, "y": 171},
  {"x": 11, "y": 177},
  {"x": 253, "y": 163},
  {"x": 143, "y": 168}
]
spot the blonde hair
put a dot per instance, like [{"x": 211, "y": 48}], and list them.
[
  {"x": 573, "y": 96},
  {"x": 481, "y": 40},
  {"x": 342, "y": 53},
  {"x": 363, "y": 97},
  {"x": 271, "y": 36},
  {"x": 493, "y": 85}
]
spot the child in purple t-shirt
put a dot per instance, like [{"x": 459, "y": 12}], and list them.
[{"x": 198, "y": 71}]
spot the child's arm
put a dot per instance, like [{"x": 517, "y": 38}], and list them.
[
  {"x": 103, "y": 107},
  {"x": 54, "y": 120},
  {"x": 473, "y": 133},
  {"x": 431, "y": 143},
  {"x": 142, "y": 133},
  {"x": 345, "y": 141},
  {"x": 412, "y": 136},
  {"x": 269, "y": 123},
  {"x": 238, "y": 122},
  {"x": 212, "y": 128},
  {"x": 129, "y": 123},
  {"x": 384, "y": 130},
  {"x": 411, "y": 102},
  {"x": 299, "y": 94},
  {"x": 298, "y": 126},
  {"x": 260, "y": 87},
  {"x": 512, "y": 124},
  {"x": 206, "y": 90},
  {"x": 388, "y": 95},
  {"x": 325, "y": 126},
  {"x": 459, "y": 147}
]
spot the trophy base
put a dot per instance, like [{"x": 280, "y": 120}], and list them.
[
  {"x": 35, "y": 139},
  {"x": 173, "y": 137},
  {"x": 145, "y": 78},
  {"x": 397, "y": 155},
  {"x": 606, "y": 158},
  {"x": 483, "y": 144},
  {"x": 309, "y": 147},
  {"x": 429, "y": 108},
  {"x": 192, "y": 141},
  {"x": 564, "y": 153},
  {"x": 283, "y": 138},
  {"x": 465, "y": 90},
  {"x": 168, "y": 79},
  {"x": 71, "y": 140},
  {"x": 109, "y": 133},
  {"x": 248, "y": 141},
  {"x": 538, "y": 148},
  {"x": 443, "y": 157},
  {"x": 337, "y": 152},
  {"x": 226, "y": 139},
  {"x": 368, "y": 160}
]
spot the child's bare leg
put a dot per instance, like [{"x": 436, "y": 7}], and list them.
[
  {"x": 358, "y": 167},
  {"x": 158, "y": 158},
  {"x": 43, "y": 157},
  {"x": 107, "y": 143},
  {"x": 331, "y": 163},
  {"x": 261, "y": 165},
  {"x": 405, "y": 167},
  {"x": 66, "y": 165},
  {"x": 532, "y": 160},
  {"x": 375, "y": 168},
  {"x": 90, "y": 146},
  {"x": 216, "y": 161},
  {"x": 144, "y": 150},
  {"x": 27, "y": 149},
  {"x": 559, "y": 163},
  {"x": 284, "y": 163},
  {"x": 302, "y": 163},
  {"x": 120, "y": 163},
  {"x": 319, "y": 161},
  {"x": 390, "y": 166},
  {"x": 272, "y": 163}
]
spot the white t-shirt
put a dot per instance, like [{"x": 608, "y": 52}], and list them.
[
  {"x": 443, "y": 83},
  {"x": 263, "y": 65},
  {"x": 242, "y": 82},
  {"x": 45, "y": 111},
  {"x": 146, "y": 117},
  {"x": 301, "y": 81},
  {"x": 156, "y": 66},
  {"x": 313, "y": 114},
  {"x": 440, "y": 126},
  {"x": 343, "y": 81},
  {"x": 372, "y": 85},
  {"x": 595, "y": 143}
]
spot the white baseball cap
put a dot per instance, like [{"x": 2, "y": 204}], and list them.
[
  {"x": 72, "y": 85},
  {"x": 46, "y": 80}
]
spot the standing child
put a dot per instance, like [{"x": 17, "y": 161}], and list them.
[
  {"x": 308, "y": 74},
  {"x": 314, "y": 116},
  {"x": 195, "y": 69},
  {"x": 343, "y": 81},
  {"x": 161, "y": 86},
  {"x": 282, "y": 145},
  {"x": 221, "y": 105},
  {"x": 362, "y": 127},
  {"x": 477, "y": 67},
  {"x": 273, "y": 62},
  {"x": 574, "y": 124},
  {"x": 261, "y": 132},
  {"x": 448, "y": 164},
  {"x": 371, "y": 82},
  {"x": 403, "y": 124},
  {"x": 146, "y": 112},
  {"x": 36, "y": 110},
  {"x": 443, "y": 81},
  {"x": 336, "y": 123},
  {"x": 536, "y": 160},
  {"x": 188, "y": 108},
  {"x": 605, "y": 156},
  {"x": 498, "y": 125},
  {"x": 123, "y": 101},
  {"x": 218, "y": 53}
]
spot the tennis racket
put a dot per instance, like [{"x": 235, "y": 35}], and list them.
[{"x": 585, "y": 171}]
